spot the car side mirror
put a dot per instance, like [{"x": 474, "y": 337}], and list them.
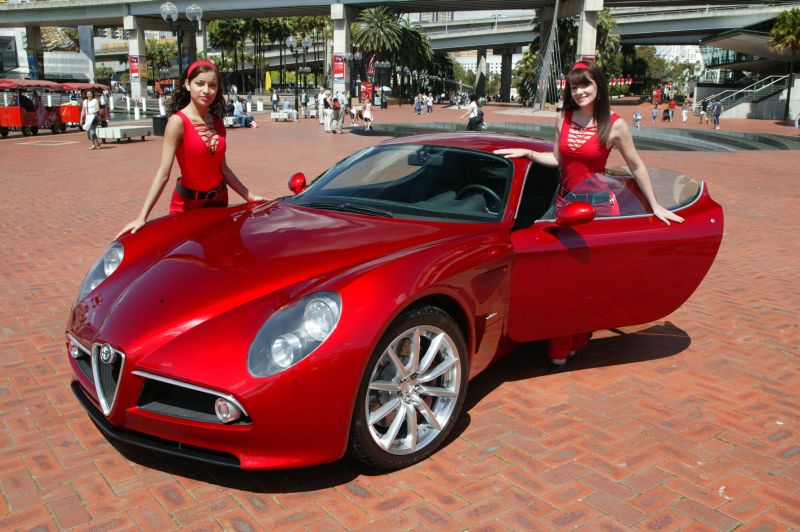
[
  {"x": 575, "y": 213},
  {"x": 297, "y": 183}
]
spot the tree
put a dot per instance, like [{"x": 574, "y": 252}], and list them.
[
  {"x": 378, "y": 30},
  {"x": 785, "y": 36},
  {"x": 159, "y": 56},
  {"x": 103, "y": 73},
  {"x": 609, "y": 58}
]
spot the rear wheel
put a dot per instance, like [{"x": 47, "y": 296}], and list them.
[
  {"x": 412, "y": 391},
  {"x": 62, "y": 127},
  {"x": 54, "y": 129},
  {"x": 3, "y": 132},
  {"x": 26, "y": 131},
  {"x": 34, "y": 130}
]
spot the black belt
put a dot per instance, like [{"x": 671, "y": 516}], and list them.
[
  {"x": 191, "y": 194},
  {"x": 592, "y": 198}
]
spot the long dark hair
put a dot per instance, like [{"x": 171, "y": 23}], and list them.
[
  {"x": 181, "y": 96},
  {"x": 602, "y": 107}
]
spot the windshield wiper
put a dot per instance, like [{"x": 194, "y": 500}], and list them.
[{"x": 347, "y": 207}]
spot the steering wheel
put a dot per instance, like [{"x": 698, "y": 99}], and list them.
[{"x": 490, "y": 194}]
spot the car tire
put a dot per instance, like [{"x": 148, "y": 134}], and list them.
[
  {"x": 26, "y": 131},
  {"x": 3, "y": 132},
  {"x": 399, "y": 389},
  {"x": 34, "y": 130}
]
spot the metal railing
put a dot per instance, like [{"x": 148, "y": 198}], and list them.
[{"x": 751, "y": 93}]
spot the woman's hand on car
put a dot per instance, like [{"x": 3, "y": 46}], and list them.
[
  {"x": 666, "y": 215},
  {"x": 132, "y": 227},
  {"x": 513, "y": 153}
]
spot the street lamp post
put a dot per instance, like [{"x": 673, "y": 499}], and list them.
[
  {"x": 382, "y": 66},
  {"x": 306, "y": 43},
  {"x": 169, "y": 12},
  {"x": 291, "y": 43}
]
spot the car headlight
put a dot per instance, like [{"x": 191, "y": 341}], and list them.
[
  {"x": 103, "y": 267},
  {"x": 293, "y": 333}
]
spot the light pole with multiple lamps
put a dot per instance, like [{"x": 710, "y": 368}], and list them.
[
  {"x": 382, "y": 67},
  {"x": 353, "y": 58},
  {"x": 291, "y": 43},
  {"x": 169, "y": 12}
]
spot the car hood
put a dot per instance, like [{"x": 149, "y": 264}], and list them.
[{"x": 276, "y": 252}]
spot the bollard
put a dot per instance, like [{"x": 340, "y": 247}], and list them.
[
  {"x": 111, "y": 101},
  {"x": 49, "y": 100},
  {"x": 128, "y": 104},
  {"x": 260, "y": 105},
  {"x": 136, "y": 113},
  {"x": 144, "y": 105},
  {"x": 249, "y": 107},
  {"x": 161, "y": 110},
  {"x": 5, "y": 100}
]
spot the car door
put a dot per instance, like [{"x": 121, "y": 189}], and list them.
[{"x": 612, "y": 271}]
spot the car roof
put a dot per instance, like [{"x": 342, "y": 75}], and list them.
[{"x": 475, "y": 141}]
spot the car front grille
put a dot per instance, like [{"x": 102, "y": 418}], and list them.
[
  {"x": 107, "y": 376},
  {"x": 173, "y": 398}
]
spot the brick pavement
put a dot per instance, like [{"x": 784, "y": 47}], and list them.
[{"x": 687, "y": 423}]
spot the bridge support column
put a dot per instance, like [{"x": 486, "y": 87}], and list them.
[
  {"x": 33, "y": 47},
  {"x": 505, "y": 75},
  {"x": 86, "y": 45},
  {"x": 587, "y": 29},
  {"x": 342, "y": 16},
  {"x": 480, "y": 74},
  {"x": 137, "y": 59}
]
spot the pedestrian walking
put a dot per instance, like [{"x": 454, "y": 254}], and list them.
[
  {"x": 474, "y": 113},
  {"x": 586, "y": 132},
  {"x": 716, "y": 113},
  {"x": 195, "y": 136},
  {"x": 90, "y": 118}
]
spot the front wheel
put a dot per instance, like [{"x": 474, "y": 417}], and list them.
[
  {"x": 412, "y": 391},
  {"x": 26, "y": 131},
  {"x": 3, "y": 132},
  {"x": 34, "y": 130}
]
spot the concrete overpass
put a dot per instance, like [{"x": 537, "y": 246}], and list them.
[{"x": 140, "y": 15}]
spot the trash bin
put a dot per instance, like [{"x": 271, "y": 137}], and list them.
[
  {"x": 159, "y": 125},
  {"x": 384, "y": 103}
]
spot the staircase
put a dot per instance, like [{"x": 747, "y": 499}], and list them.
[{"x": 754, "y": 92}]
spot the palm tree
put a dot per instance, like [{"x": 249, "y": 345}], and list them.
[
  {"x": 378, "y": 30},
  {"x": 785, "y": 36}
]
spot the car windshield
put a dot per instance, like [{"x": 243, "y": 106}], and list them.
[{"x": 415, "y": 181}]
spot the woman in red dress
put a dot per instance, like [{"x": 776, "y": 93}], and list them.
[
  {"x": 586, "y": 131},
  {"x": 195, "y": 135}
]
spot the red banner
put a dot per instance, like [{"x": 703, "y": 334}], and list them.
[
  {"x": 338, "y": 67},
  {"x": 133, "y": 61},
  {"x": 366, "y": 92}
]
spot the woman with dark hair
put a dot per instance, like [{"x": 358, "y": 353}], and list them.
[
  {"x": 474, "y": 114},
  {"x": 586, "y": 131},
  {"x": 195, "y": 135}
]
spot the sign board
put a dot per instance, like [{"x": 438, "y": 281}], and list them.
[
  {"x": 338, "y": 67},
  {"x": 366, "y": 92},
  {"x": 133, "y": 62}
]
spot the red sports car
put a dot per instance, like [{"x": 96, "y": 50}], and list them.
[{"x": 351, "y": 316}]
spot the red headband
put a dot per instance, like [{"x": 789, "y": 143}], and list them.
[
  {"x": 580, "y": 64},
  {"x": 198, "y": 64}
]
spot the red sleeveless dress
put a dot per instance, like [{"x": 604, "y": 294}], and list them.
[
  {"x": 583, "y": 163},
  {"x": 200, "y": 157}
]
